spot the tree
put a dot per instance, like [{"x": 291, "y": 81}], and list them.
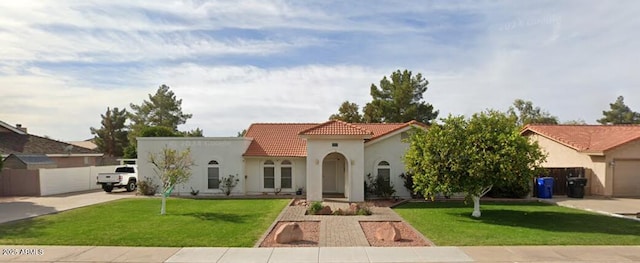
[
  {"x": 575, "y": 122},
  {"x": 525, "y": 113},
  {"x": 111, "y": 138},
  {"x": 172, "y": 168},
  {"x": 162, "y": 109},
  {"x": 348, "y": 112},
  {"x": 620, "y": 114},
  {"x": 399, "y": 99},
  {"x": 471, "y": 156},
  {"x": 241, "y": 133},
  {"x": 193, "y": 133}
]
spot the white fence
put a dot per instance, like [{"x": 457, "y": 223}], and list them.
[{"x": 67, "y": 180}]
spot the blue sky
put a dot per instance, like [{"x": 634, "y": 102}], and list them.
[{"x": 62, "y": 63}]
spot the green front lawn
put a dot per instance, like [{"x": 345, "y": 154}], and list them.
[
  {"x": 136, "y": 222},
  {"x": 518, "y": 223}
]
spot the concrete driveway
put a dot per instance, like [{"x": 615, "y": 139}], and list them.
[
  {"x": 629, "y": 207},
  {"x": 16, "y": 208}
]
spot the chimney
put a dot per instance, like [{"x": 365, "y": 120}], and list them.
[{"x": 19, "y": 126}]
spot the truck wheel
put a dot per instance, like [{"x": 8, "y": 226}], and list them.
[
  {"x": 131, "y": 186},
  {"x": 107, "y": 188}
]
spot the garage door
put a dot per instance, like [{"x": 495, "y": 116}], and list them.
[{"x": 626, "y": 178}]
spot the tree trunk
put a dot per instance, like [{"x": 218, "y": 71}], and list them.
[
  {"x": 476, "y": 201},
  {"x": 163, "y": 209},
  {"x": 476, "y": 206}
]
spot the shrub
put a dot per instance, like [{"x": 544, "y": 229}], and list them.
[
  {"x": 147, "y": 187},
  {"x": 509, "y": 190},
  {"x": 314, "y": 208},
  {"x": 380, "y": 187},
  {"x": 364, "y": 211},
  {"x": 408, "y": 183},
  {"x": 228, "y": 183}
]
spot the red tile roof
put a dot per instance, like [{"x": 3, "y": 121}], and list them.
[
  {"x": 277, "y": 139},
  {"x": 283, "y": 140},
  {"x": 587, "y": 138},
  {"x": 335, "y": 127}
]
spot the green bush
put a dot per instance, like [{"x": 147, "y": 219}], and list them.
[
  {"x": 509, "y": 190},
  {"x": 314, "y": 208},
  {"x": 147, "y": 187},
  {"x": 408, "y": 183},
  {"x": 228, "y": 183},
  {"x": 379, "y": 187},
  {"x": 364, "y": 211}
]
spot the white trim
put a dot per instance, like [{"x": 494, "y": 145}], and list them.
[{"x": 11, "y": 128}]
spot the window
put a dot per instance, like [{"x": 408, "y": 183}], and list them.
[
  {"x": 285, "y": 175},
  {"x": 269, "y": 176},
  {"x": 384, "y": 171},
  {"x": 213, "y": 175}
]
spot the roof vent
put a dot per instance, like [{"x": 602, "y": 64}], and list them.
[{"x": 19, "y": 127}]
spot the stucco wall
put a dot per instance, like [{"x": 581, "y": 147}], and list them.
[
  {"x": 559, "y": 156},
  {"x": 67, "y": 180},
  {"x": 352, "y": 149},
  {"x": 392, "y": 150},
  {"x": 254, "y": 173},
  {"x": 227, "y": 151}
]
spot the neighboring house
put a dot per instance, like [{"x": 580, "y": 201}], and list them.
[
  {"x": 89, "y": 144},
  {"x": 16, "y": 140},
  {"x": 28, "y": 161},
  {"x": 609, "y": 154},
  {"x": 326, "y": 159}
]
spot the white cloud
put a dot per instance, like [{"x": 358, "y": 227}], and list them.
[{"x": 62, "y": 63}]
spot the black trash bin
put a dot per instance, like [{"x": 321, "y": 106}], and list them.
[{"x": 576, "y": 187}]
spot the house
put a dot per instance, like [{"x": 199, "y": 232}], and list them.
[
  {"x": 16, "y": 140},
  {"x": 28, "y": 161},
  {"x": 326, "y": 159},
  {"x": 608, "y": 154}
]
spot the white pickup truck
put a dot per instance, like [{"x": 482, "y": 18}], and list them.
[{"x": 124, "y": 176}]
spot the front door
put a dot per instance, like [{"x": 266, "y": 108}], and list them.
[{"x": 329, "y": 176}]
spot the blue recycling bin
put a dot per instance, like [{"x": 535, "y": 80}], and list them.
[{"x": 545, "y": 187}]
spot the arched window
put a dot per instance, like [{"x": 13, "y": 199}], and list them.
[
  {"x": 384, "y": 171},
  {"x": 286, "y": 175},
  {"x": 213, "y": 175},
  {"x": 269, "y": 174}
]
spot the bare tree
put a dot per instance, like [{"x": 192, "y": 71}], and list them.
[{"x": 172, "y": 167}]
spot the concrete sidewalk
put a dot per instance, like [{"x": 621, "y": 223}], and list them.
[{"x": 322, "y": 254}]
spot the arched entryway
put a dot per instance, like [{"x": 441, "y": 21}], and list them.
[{"x": 334, "y": 175}]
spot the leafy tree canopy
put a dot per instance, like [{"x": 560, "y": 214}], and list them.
[
  {"x": 525, "y": 113},
  {"x": 471, "y": 156},
  {"x": 620, "y": 113},
  {"x": 399, "y": 99},
  {"x": 111, "y": 137},
  {"x": 162, "y": 109},
  {"x": 348, "y": 112}
]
